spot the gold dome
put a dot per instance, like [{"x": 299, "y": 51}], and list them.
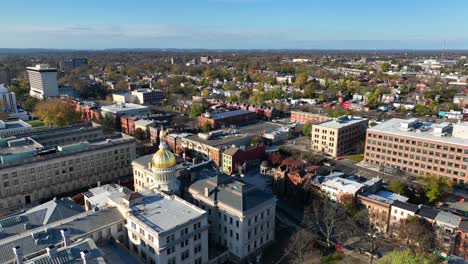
[{"x": 163, "y": 159}]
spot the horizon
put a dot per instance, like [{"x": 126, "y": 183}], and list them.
[{"x": 235, "y": 25}]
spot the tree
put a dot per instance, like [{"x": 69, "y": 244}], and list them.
[
  {"x": 372, "y": 123},
  {"x": 307, "y": 129},
  {"x": 329, "y": 221},
  {"x": 139, "y": 134},
  {"x": 57, "y": 112},
  {"x": 398, "y": 186},
  {"x": 385, "y": 67},
  {"x": 256, "y": 140},
  {"x": 371, "y": 242},
  {"x": 29, "y": 103},
  {"x": 205, "y": 93},
  {"x": 257, "y": 98},
  {"x": 408, "y": 257},
  {"x": 196, "y": 110},
  {"x": 416, "y": 233},
  {"x": 301, "y": 78},
  {"x": 206, "y": 127},
  {"x": 301, "y": 248},
  {"x": 435, "y": 186},
  {"x": 309, "y": 90}
]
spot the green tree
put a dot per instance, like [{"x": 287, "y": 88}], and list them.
[
  {"x": 385, "y": 67},
  {"x": 196, "y": 110},
  {"x": 257, "y": 98},
  {"x": 205, "y": 93},
  {"x": 398, "y": 186},
  {"x": 57, "y": 112},
  {"x": 307, "y": 129},
  {"x": 435, "y": 186},
  {"x": 29, "y": 103},
  {"x": 256, "y": 140},
  {"x": 301, "y": 79},
  {"x": 408, "y": 257},
  {"x": 374, "y": 99},
  {"x": 372, "y": 123},
  {"x": 275, "y": 93},
  {"x": 206, "y": 127},
  {"x": 309, "y": 90}
]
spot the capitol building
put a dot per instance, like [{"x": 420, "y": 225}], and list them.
[{"x": 157, "y": 171}]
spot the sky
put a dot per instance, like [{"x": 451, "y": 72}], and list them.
[{"x": 234, "y": 24}]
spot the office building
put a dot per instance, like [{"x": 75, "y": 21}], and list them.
[
  {"x": 420, "y": 148},
  {"x": 242, "y": 217},
  {"x": 147, "y": 96},
  {"x": 159, "y": 228},
  {"x": 12, "y": 128},
  {"x": 340, "y": 136},
  {"x": 7, "y": 101},
  {"x": 70, "y": 64},
  {"x": 43, "y": 81},
  {"x": 38, "y": 166}
]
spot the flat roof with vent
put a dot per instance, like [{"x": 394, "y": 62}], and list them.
[{"x": 424, "y": 130}]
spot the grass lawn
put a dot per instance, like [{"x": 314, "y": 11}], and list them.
[
  {"x": 355, "y": 157},
  {"x": 36, "y": 123}
]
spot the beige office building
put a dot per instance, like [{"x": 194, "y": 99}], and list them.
[
  {"x": 31, "y": 172},
  {"x": 340, "y": 136},
  {"x": 420, "y": 148}
]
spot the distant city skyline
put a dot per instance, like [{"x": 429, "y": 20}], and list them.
[{"x": 235, "y": 24}]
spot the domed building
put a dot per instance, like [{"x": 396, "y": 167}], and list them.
[{"x": 157, "y": 171}]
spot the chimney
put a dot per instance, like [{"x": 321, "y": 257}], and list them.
[
  {"x": 65, "y": 236},
  {"x": 18, "y": 254},
  {"x": 207, "y": 192},
  {"x": 99, "y": 184},
  {"x": 51, "y": 251},
  {"x": 85, "y": 256},
  {"x": 27, "y": 226}
]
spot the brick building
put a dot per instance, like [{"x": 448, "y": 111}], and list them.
[
  {"x": 225, "y": 119},
  {"x": 419, "y": 148},
  {"x": 302, "y": 117},
  {"x": 234, "y": 158}
]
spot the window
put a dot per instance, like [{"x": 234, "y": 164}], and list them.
[
  {"x": 170, "y": 250},
  {"x": 184, "y": 243},
  {"x": 171, "y": 261},
  {"x": 150, "y": 237},
  {"x": 185, "y": 255},
  {"x": 197, "y": 249},
  {"x": 198, "y": 260},
  {"x": 196, "y": 237}
]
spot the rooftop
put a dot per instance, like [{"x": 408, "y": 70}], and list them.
[
  {"x": 340, "y": 122},
  {"x": 427, "y": 212},
  {"x": 38, "y": 239},
  {"x": 406, "y": 206},
  {"x": 424, "y": 130},
  {"x": 13, "y": 124},
  {"x": 344, "y": 185},
  {"x": 232, "y": 193},
  {"x": 162, "y": 212},
  {"x": 123, "y": 107},
  {"x": 228, "y": 114},
  {"x": 72, "y": 254},
  {"x": 448, "y": 219},
  {"x": 388, "y": 197},
  {"x": 44, "y": 214}
]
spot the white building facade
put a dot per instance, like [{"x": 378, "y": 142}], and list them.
[{"x": 43, "y": 81}]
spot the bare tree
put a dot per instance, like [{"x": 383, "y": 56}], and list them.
[
  {"x": 371, "y": 241},
  {"x": 329, "y": 221},
  {"x": 301, "y": 248}
]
